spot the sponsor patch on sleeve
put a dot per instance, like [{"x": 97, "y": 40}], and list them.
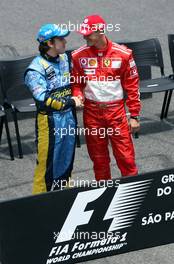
[
  {"x": 133, "y": 72},
  {"x": 132, "y": 63},
  {"x": 37, "y": 90}
]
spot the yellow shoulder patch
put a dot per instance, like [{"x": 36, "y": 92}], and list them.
[
  {"x": 44, "y": 63},
  {"x": 61, "y": 56}
]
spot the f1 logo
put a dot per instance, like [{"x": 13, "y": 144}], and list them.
[
  {"x": 77, "y": 216},
  {"x": 122, "y": 209}
]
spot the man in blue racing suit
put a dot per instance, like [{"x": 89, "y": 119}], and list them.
[{"x": 47, "y": 77}]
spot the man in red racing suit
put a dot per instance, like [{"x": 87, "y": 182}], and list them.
[{"x": 103, "y": 73}]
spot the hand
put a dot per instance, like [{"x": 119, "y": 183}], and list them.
[
  {"x": 81, "y": 98},
  {"x": 78, "y": 101},
  {"x": 54, "y": 104},
  {"x": 134, "y": 125}
]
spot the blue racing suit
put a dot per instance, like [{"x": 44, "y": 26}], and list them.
[{"x": 48, "y": 81}]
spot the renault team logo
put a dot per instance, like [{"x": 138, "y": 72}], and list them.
[
  {"x": 107, "y": 62},
  {"x": 92, "y": 62}
]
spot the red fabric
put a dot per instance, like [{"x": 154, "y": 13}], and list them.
[
  {"x": 91, "y": 24},
  {"x": 128, "y": 76},
  {"x": 114, "y": 118},
  {"x": 108, "y": 114}
]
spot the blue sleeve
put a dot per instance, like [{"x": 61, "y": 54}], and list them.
[{"x": 37, "y": 84}]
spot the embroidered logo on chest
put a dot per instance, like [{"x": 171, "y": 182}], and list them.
[
  {"x": 111, "y": 63},
  {"x": 88, "y": 62}
]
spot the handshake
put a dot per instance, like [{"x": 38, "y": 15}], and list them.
[{"x": 78, "y": 101}]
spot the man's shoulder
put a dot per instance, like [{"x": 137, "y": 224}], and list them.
[
  {"x": 63, "y": 56},
  {"x": 121, "y": 49},
  {"x": 80, "y": 51},
  {"x": 38, "y": 60},
  {"x": 38, "y": 64}
]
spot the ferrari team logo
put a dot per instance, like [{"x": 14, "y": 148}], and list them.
[
  {"x": 107, "y": 62},
  {"x": 114, "y": 63}
]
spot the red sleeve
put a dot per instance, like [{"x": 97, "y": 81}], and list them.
[
  {"x": 130, "y": 83},
  {"x": 77, "y": 77}
]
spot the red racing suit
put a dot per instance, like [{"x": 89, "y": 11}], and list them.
[{"x": 107, "y": 79}]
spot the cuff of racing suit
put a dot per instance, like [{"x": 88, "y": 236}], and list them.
[
  {"x": 59, "y": 104},
  {"x": 134, "y": 113},
  {"x": 78, "y": 93},
  {"x": 70, "y": 103}
]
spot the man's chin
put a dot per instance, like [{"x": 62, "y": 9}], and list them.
[
  {"x": 61, "y": 51},
  {"x": 89, "y": 44}
]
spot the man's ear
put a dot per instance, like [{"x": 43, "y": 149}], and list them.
[{"x": 50, "y": 43}]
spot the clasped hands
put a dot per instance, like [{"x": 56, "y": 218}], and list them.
[{"x": 78, "y": 101}]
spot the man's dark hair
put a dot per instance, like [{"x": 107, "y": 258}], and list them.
[{"x": 43, "y": 46}]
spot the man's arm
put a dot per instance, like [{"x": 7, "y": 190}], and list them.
[
  {"x": 37, "y": 84},
  {"x": 77, "y": 78},
  {"x": 130, "y": 83}
]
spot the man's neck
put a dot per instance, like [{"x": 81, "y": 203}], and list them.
[
  {"x": 52, "y": 53},
  {"x": 102, "y": 44},
  {"x": 50, "y": 58}
]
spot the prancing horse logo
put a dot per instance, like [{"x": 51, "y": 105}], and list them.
[{"x": 107, "y": 62}]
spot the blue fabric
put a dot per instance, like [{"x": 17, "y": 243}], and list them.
[
  {"x": 37, "y": 80},
  {"x": 64, "y": 143},
  {"x": 49, "y": 31},
  {"x": 43, "y": 78}
]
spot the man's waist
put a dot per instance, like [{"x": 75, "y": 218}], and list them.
[
  {"x": 104, "y": 104},
  {"x": 52, "y": 111}
]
